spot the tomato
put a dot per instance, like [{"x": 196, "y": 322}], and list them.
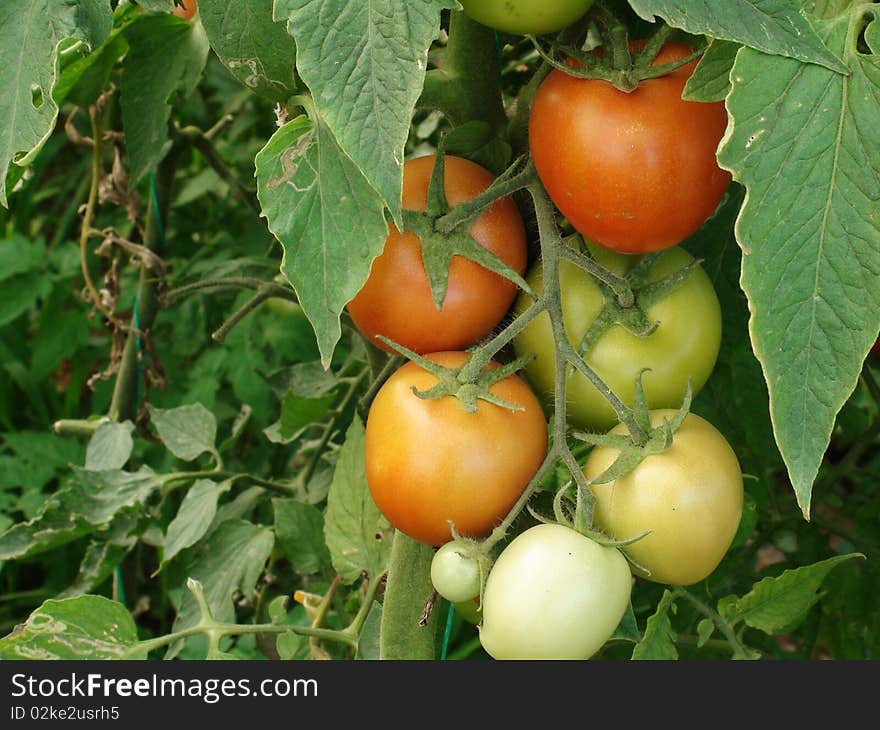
[
  {"x": 684, "y": 345},
  {"x": 690, "y": 497},
  {"x": 553, "y": 594},
  {"x": 186, "y": 9},
  {"x": 430, "y": 461},
  {"x": 455, "y": 576},
  {"x": 637, "y": 171},
  {"x": 526, "y": 17},
  {"x": 396, "y": 300},
  {"x": 470, "y": 611}
]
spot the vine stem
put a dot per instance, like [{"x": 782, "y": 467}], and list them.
[
  {"x": 551, "y": 246},
  {"x": 739, "y": 649},
  {"x": 188, "y": 476},
  {"x": 229, "y": 282}
]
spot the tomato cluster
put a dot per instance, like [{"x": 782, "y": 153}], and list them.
[{"x": 636, "y": 175}]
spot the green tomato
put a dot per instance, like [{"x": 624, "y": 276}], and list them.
[
  {"x": 553, "y": 594},
  {"x": 690, "y": 498},
  {"x": 683, "y": 347},
  {"x": 455, "y": 576},
  {"x": 470, "y": 611},
  {"x": 526, "y": 17}
]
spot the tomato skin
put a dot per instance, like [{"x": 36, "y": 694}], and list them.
[
  {"x": 684, "y": 346},
  {"x": 396, "y": 299},
  {"x": 553, "y": 594},
  {"x": 430, "y": 461},
  {"x": 526, "y": 17},
  {"x": 455, "y": 576},
  {"x": 638, "y": 171},
  {"x": 187, "y": 10},
  {"x": 690, "y": 497}
]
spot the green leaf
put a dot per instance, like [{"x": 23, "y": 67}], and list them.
[
  {"x": 358, "y": 536},
  {"x": 87, "y": 503},
  {"x": 299, "y": 413},
  {"x": 19, "y": 294},
  {"x": 292, "y": 646},
  {"x": 477, "y": 142},
  {"x": 299, "y": 530},
  {"x": 777, "y": 27},
  {"x": 705, "y": 629},
  {"x": 259, "y": 52},
  {"x": 103, "y": 556},
  {"x": 87, "y": 627},
  {"x": 367, "y": 80},
  {"x": 193, "y": 518},
  {"x": 737, "y": 384},
  {"x": 777, "y": 603},
  {"x": 19, "y": 255},
  {"x": 33, "y": 31},
  {"x": 230, "y": 560},
  {"x": 84, "y": 80},
  {"x": 166, "y": 55},
  {"x": 157, "y": 6},
  {"x": 188, "y": 431},
  {"x": 110, "y": 446},
  {"x": 710, "y": 81},
  {"x": 806, "y": 144},
  {"x": 628, "y": 629},
  {"x": 659, "y": 639},
  {"x": 326, "y": 216}
]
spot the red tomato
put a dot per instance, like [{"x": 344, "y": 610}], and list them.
[
  {"x": 396, "y": 300},
  {"x": 634, "y": 172},
  {"x": 430, "y": 461}
]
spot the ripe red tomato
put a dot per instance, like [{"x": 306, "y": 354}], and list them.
[
  {"x": 430, "y": 461},
  {"x": 186, "y": 10},
  {"x": 396, "y": 300},
  {"x": 634, "y": 172}
]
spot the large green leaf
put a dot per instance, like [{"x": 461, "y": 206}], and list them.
[
  {"x": 806, "y": 144},
  {"x": 774, "y": 26},
  {"x": 88, "y": 502},
  {"x": 658, "y": 642},
  {"x": 166, "y": 55},
  {"x": 774, "y": 604},
  {"x": 193, "y": 518},
  {"x": 259, "y": 52},
  {"x": 32, "y": 31},
  {"x": 188, "y": 431},
  {"x": 87, "y": 627},
  {"x": 358, "y": 536},
  {"x": 365, "y": 62},
  {"x": 299, "y": 530},
  {"x": 326, "y": 215},
  {"x": 230, "y": 560}
]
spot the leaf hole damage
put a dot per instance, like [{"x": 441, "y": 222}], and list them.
[{"x": 36, "y": 96}]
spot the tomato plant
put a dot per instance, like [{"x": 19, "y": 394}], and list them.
[
  {"x": 396, "y": 300},
  {"x": 553, "y": 594},
  {"x": 531, "y": 17},
  {"x": 681, "y": 350},
  {"x": 222, "y": 239},
  {"x": 186, "y": 9},
  {"x": 638, "y": 171},
  {"x": 430, "y": 463},
  {"x": 689, "y": 498}
]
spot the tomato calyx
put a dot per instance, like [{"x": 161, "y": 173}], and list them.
[
  {"x": 443, "y": 231},
  {"x": 459, "y": 383},
  {"x": 627, "y": 298},
  {"x": 626, "y": 65},
  {"x": 631, "y": 453}
]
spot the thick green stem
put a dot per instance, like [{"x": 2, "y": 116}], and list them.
[
  {"x": 739, "y": 650},
  {"x": 407, "y": 591},
  {"x": 124, "y": 404},
  {"x": 467, "y": 85}
]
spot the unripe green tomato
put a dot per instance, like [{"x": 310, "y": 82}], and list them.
[
  {"x": 690, "y": 498},
  {"x": 526, "y": 17},
  {"x": 455, "y": 576},
  {"x": 683, "y": 347},
  {"x": 553, "y": 594},
  {"x": 470, "y": 611}
]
